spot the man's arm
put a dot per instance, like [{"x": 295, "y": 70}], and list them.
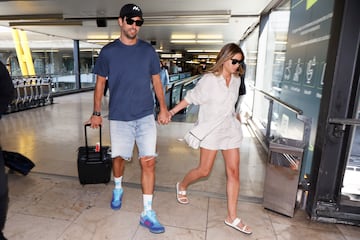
[
  {"x": 96, "y": 118},
  {"x": 164, "y": 115}
]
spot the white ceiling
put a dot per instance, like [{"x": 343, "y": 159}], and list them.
[{"x": 164, "y": 19}]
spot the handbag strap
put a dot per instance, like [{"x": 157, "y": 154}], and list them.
[{"x": 203, "y": 129}]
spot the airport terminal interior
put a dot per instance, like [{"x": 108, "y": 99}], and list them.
[{"x": 50, "y": 203}]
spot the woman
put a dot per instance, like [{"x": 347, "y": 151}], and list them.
[{"x": 216, "y": 94}]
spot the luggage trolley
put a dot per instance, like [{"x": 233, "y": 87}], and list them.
[{"x": 45, "y": 90}]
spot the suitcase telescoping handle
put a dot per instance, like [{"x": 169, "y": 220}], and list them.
[{"x": 86, "y": 141}]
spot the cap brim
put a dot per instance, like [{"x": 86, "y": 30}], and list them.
[{"x": 134, "y": 15}]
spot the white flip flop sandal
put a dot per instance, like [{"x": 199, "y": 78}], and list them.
[
  {"x": 183, "y": 199},
  {"x": 235, "y": 223}
]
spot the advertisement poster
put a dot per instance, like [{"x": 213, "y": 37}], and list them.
[{"x": 305, "y": 64}]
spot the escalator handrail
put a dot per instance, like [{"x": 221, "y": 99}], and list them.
[{"x": 181, "y": 83}]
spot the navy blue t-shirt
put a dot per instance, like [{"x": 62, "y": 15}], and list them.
[{"x": 129, "y": 70}]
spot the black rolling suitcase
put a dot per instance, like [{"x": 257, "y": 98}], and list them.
[{"x": 94, "y": 162}]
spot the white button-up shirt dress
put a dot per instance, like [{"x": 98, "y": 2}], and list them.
[{"x": 215, "y": 99}]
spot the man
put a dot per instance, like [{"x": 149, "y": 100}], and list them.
[
  {"x": 6, "y": 95},
  {"x": 130, "y": 65}
]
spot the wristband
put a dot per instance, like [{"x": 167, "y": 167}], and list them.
[{"x": 96, "y": 114}]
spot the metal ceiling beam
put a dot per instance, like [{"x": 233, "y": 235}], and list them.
[{"x": 31, "y": 17}]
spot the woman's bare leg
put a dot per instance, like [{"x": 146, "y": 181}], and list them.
[
  {"x": 232, "y": 165},
  {"x": 207, "y": 158}
]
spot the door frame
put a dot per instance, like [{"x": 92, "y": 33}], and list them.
[{"x": 340, "y": 92}]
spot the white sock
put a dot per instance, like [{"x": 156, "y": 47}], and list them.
[
  {"x": 118, "y": 181},
  {"x": 147, "y": 199}
]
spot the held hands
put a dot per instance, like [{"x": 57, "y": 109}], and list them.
[
  {"x": 171, "y": 113},
  {"x": 164, "y": 117}
]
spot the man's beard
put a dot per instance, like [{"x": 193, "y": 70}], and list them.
[{"x": 129, "y": 36}]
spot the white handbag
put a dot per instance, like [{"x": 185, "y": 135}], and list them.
[
  {"x": 194, "y": 137},
  {"x": 192, "y": 140}
]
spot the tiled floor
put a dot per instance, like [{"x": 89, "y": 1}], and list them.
[{"x": 50, "y": 203}]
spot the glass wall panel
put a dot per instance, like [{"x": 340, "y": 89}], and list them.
[
  {"x": 351, "y": 181},
  {"x": 62, "y": 62},
  {"x": 52, "y": 57},
  {"x": 249, "y": 47},
  {"x": 88, "y": 57},
  {"x": 270, "y": 67}
]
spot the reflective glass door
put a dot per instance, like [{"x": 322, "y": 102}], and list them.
[{"x": 351, "y": 181}]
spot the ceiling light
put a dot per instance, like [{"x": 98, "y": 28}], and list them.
[
  {"x": 168, "y": 55},
  {"x": 203, "y": 50},
  {"x": 280, "y": 42},
  {"x": 44, "y": 50},
  {"x": 183, "y": 36},
  {"x": 98, "y": 40},
  {"x": 213, "y": 50},
  {"x": 183, "y": 41},
  {"x": 203, "y": 56},
  {"x": 209, "y": 41},
  {"x": 210, "y": 36},
  {"x": 195, "y": 50}
]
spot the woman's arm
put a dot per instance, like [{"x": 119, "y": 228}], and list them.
[{"x": 181, "y": 105}]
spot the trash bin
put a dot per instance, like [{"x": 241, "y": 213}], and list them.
[{"x": 282, "y": 175}]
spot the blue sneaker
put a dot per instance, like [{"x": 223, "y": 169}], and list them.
[
  {"x": 150, "y": 221},
  {"x": 116, "y": 200}
]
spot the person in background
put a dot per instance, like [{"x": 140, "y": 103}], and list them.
[
  {"x": 201, "y": 68},
  {"x": 164, "y": 76},
  {"x": 131, "y": 67},
  {"x": 216, "y": 93},
  {"x": 6, "y": 95},
  {"x": 242, "y": 92}
]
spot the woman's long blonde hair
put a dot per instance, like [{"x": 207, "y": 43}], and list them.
[{"x": 226, "y": 53}]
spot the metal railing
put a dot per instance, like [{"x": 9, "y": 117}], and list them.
[{"x": 299, "y": 115}]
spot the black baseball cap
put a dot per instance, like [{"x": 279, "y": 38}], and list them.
[{"x": 130, "y": 10}]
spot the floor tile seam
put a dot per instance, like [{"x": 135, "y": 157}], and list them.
[
  {"x": 16, "y": 212},
  {"x": 250, "y": 199},
  {"x": 135, "y": 232},
  {"x": 207, "y": 217},
  {"x": 272, "y": 225},
  {"x": 186, "y": 228},
  {"x": 67, "y": 228},
  {"x": 242, "y": 198},
  {"x": 276, "y": 233}
]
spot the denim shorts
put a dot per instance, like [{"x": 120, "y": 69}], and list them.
[{"x": 124, "y": 134}]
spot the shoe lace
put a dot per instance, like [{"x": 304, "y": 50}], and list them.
[{"x": 152, "y": 216}]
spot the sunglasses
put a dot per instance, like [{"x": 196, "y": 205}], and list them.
[
  {"x": 138, "y": 23},
  {"x": 235, "y": 61}
]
